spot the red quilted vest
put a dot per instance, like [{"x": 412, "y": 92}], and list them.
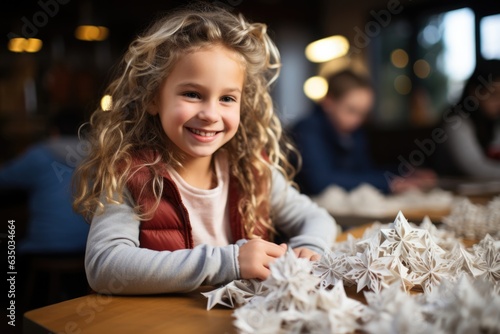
[{"x": 169, "y": 228}]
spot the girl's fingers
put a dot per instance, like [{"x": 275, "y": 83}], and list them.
[
  {"x": 268, "y": 261},
  {"x": 306, "y": 254},
  {"x": 275, "y": 250},
  {"x": 315, "y": 257},
  {"x": 263, "y": 273}
]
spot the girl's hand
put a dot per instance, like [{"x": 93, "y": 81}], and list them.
[
  {"x": 423, "y": 179},
  {"x": 401, "y": 185},
  {"x": 255, "y": 257},
  {"x": 306, "y": 253}
]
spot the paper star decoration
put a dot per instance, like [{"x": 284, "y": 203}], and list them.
[
  {"x": 367, "y": 201},
  {"x": 369, "y": 270},
  {"x": 402, "y": 238},
  {"x": 331, "y": 268},
  {"x": 234, "y": 294},
  {"x": 464, "y": 306},
  {"x": 393, "y": 311},
  {"x": 428, "y": 270},
  {"x": 294, "y": 303},
  {"x": 342, "y": 312},
  {"x": 474, "y": 221},
  {"x": 489, "y": 252},
  {"x": 461, "y": 287},
  {"x": 402, "y": 274},
  {"x": 468, "y": 262}
]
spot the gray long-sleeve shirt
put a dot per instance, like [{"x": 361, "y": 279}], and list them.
[
  {"x": 466, "y": 153},
  {"x": 116, "y": 264}
]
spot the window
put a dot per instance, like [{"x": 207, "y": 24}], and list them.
[
  {"x": 490, "y": 37},
  {"x": 421, "y": 64},
  {"x": 459, "y": 55}
]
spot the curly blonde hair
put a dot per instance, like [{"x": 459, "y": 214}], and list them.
[{"x": 118, "y": 134}]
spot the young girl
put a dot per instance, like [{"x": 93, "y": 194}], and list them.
[{"x": 187, "y": 177}]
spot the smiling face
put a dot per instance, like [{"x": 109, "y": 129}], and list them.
[{"x": 199, "y": 102}]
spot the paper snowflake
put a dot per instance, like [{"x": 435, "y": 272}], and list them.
[
  {"x": 235, "y": 293},
  {"x": 428, "y": 269},
  {"x": 489, "y": 252},
  {"x": 331, "y": 268},
  {"x": 461, "y": 286},
  {"x": 252, "y": 319},
  {"x": 367, "y": 201},
  {"x": 348, "y": 247},
  {"x": 402, "y": 238},
  {"x": 402, "y": 274},
  {"x": 291, "y": 279},
  {"x": 393, "y": 311},
  {"x": 342, "y": 312},
  {"x": 369, "y": 270},
  {"x": 474, "y": 221},
  {"x": 463, "y": 307},
  {"x": 468, "y": 262}
]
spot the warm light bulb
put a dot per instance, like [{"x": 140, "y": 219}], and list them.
[
  {"x": 327, "y": 49},
  {"x": 422, "y": 68},
  {"x": 33, "y": 45},
  {"x": 106, "y": 102},
  {"x": 91, "y": 33},
  {"x": 316, "y": 88},
  {"x": 20, "y": 44},
  {"x": 399, "y": 58},
  {"x": 103, "y": 33},
  {"x": 17, "y": 44}
]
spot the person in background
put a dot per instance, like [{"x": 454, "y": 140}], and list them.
[
  {"x": 54, "y": 230},
  {"x": 333, "y": 144},
  {"x": 45, "y": 171},
  {"x": 472, "y": 126}
]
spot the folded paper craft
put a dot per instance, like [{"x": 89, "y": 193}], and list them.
[
  {"x": 367, "y": 201},
  {"x": 461, "y": 287},
  {"x": 474, "y": 221}
]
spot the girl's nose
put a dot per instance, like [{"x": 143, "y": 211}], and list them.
[{"x": 209, "y": 112}]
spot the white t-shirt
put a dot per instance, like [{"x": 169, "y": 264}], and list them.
[{"x": 208, "y": 209}]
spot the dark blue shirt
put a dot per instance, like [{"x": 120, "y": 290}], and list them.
[
  {"x": 45, "y": 171},
  {"x": 331, "y": 159}
]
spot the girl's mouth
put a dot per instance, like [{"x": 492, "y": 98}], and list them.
[
  {"x": 203, "y": 133},
  {"x": 204, "y": 136}
]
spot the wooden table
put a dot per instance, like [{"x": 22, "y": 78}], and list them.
[
  {"x": 413, "y": 215},
  {"x": 174, "y": 313}
]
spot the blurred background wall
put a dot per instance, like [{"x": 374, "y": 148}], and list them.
[{"x": 60, "y": 53}]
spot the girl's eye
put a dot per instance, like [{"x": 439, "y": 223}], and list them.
[
  {"x": 191, "y": 95},
  {"x": 227, "y": 99}
]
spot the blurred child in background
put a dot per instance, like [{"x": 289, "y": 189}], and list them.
[
  {"x": 333, "y": 144},
  {"x": 54, "y": 231},
  {"x": 45, "y": 170},
  {"x": 472, "y": 126}
]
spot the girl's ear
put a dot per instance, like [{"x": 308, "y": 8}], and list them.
[{"x": 153, "y": 108}]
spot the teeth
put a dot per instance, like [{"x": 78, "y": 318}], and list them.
[{"x": 203, "y": 133}]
